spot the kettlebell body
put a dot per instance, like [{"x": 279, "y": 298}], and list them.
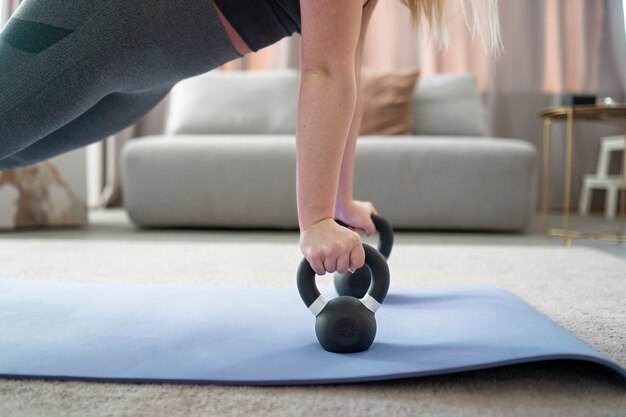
[
  {"x": 345, "y": 326},
  {"x": 355, "y": 284}
]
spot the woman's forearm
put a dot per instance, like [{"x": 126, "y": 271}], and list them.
[
  {"x": 326, "y": 107},
  {"x": 346, "y": 176}
]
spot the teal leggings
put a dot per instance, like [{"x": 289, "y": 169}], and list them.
[{"x": 73, "y": 72}]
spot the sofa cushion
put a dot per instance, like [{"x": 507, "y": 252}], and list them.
[
  {"x": 449, "y": 104},
  {"x": 224, "y": 102},
  {"x": 387, "y": 101},
  {"x": 249, "y": 181},
  {"x": 265, "y": 102}
]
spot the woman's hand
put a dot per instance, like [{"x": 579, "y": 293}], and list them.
[
  {"x": 358, "y": 216},
  {"x": 330, "y": 247}
]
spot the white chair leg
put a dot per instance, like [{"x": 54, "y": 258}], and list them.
[
  {"x": 584, "y": 202},
  {"x": 602, "y": 170},
  {"x": 610, "y": 202}
]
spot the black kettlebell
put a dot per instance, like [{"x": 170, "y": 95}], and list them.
[
  {"x": 355, "y": 284},
  {"x": 346, "y": 324}
]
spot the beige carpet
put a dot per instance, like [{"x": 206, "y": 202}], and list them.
[{"x": 581, "y": 289}]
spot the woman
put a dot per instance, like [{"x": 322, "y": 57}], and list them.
[{"x": 74, "y": 72}]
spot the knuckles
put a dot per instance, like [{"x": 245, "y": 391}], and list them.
[{"x": 326, "y": 255}]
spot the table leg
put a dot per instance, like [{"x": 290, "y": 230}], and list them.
[
  {"x": 622, "y": 191},
  {"x": 545, "y": 177},
  {"x": 567, "y": 240}
]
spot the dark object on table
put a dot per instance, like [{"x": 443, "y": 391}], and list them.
[{"x": 574, "y": 100}]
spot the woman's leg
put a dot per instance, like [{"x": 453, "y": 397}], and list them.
[
  {"x": 73, "y": 72},
  {"x": 110, "y": 115}
]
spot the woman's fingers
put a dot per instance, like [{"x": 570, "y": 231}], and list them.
[
  {"x": 317, "y": 265},
  {"x": 358, "y": 216},
  {"x": 357, "y": 258},
  {"x": 343, "y": 263},
  {"x": 370, "y": 228}
]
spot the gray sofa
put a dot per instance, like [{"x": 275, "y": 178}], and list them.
[{"x": 227, "y": 159}]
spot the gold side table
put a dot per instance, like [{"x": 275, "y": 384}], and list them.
[{"x": 600, "y": 113}]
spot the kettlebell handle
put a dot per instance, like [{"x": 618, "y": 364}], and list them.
[
  {"x": 385, "y": 232},
  {"x": 374, "y": 297}
]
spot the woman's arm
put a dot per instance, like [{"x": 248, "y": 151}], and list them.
[
  {"x": 345, "y": 206},
  {"x": 327, "y": 101}
]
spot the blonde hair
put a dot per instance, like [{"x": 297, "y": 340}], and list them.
[{"x": 481, "y": 17}]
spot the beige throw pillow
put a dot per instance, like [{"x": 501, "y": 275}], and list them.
[{"x": 387, "y": 99}]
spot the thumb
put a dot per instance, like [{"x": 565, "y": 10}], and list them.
[{"x": 370, "y": 229}]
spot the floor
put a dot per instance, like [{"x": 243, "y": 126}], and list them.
[{"x": 114, "y": 224}]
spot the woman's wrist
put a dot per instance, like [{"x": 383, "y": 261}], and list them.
[
  {"x": 313, "y": 213},
  {"x": 342, "y": 206}
]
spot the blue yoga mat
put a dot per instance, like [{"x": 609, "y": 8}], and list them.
[{"x": 262, "y": 336}]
